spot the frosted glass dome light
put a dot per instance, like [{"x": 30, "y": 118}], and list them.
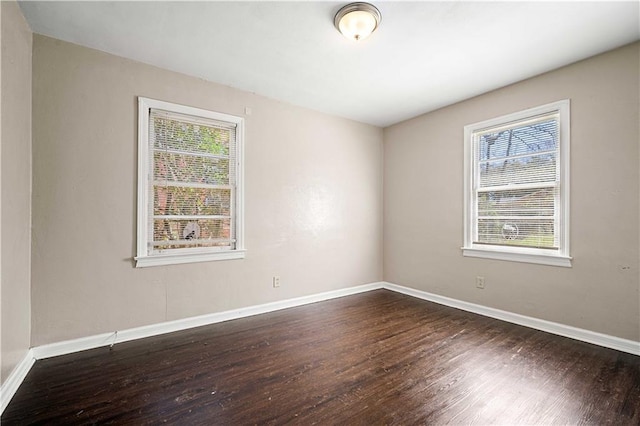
[{"x": 356, "y": 21}]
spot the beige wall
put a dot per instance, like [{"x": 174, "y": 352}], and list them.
[
  {"x": 313, "y": 202},
  {"x": 423, "y": 216},
  {"x": 313, "y": 199},
  {"x": 15, "y": 137}
]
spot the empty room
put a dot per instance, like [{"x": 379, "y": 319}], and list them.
[{"x": 313, "y": 212}]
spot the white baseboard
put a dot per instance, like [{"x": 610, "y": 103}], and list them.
[
  {"x": 10, "y": 386},
  {"x": 599, "y": 339},
  {"x": 106, "y": 339},
  {"x": 15, "y": 379}
]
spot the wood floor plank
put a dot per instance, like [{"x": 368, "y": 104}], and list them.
[{"x": 372, "y": 358}]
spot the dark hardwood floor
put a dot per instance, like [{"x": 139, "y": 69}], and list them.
[{"x": 373, "y": 358}]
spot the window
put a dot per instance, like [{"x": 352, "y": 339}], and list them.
[
  {"x": 517, "y": 186},
  {"x": 190, "y": 204}
]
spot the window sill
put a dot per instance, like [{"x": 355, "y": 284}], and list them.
[
  {"x": 563, "y": 261},
  {"x": 176, "y": 259}
]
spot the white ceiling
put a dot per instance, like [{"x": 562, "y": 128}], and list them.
[{"x": 425, "y": 55}]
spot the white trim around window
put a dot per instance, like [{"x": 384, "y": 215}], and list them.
[
  {"x": 498, "y": 198},
  {"x": 205, "y": 178}
]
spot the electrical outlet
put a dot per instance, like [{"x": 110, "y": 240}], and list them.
[
  {"x": 276, "y": 281},
  {"x": 480, "y": 282}
]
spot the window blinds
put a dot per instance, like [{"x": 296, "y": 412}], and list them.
[
  {"x": 192, "y": 183},
  {"x": 516, "y": 183}
]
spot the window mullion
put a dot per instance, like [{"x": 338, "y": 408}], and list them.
[{"x": 518, "y": 186}]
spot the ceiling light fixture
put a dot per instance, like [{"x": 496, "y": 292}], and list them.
[{"x": 356, "y": 21}]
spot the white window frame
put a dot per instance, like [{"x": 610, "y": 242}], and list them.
[
  {"x": 144, "y": 258},
  {"x": 558, "y": 257}
]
